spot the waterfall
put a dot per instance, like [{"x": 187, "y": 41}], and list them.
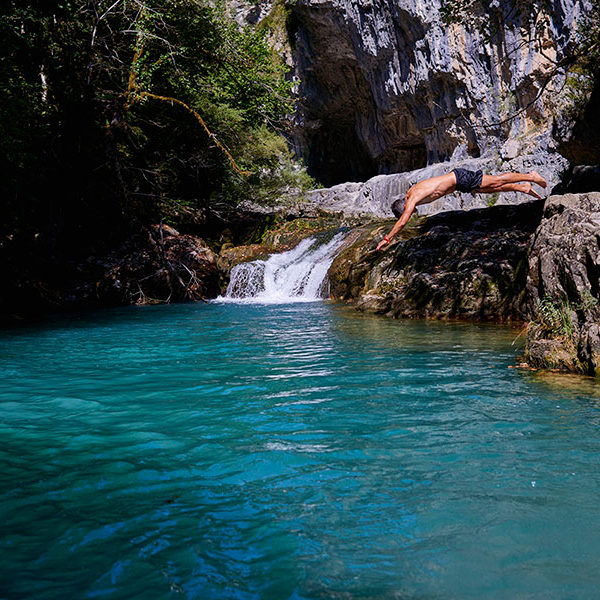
[{"x": 298, "y": 275}]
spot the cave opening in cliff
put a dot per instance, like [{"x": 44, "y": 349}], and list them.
[
  {"x": 403, "y": 157},
  {"x": 335, "y": 155}
]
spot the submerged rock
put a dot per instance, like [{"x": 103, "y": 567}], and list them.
[
  {"x": 563, "y": 286},
  {"x": 465, "y": 265}
]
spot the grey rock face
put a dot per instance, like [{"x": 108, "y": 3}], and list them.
[
  {"x": 563, "y": 285},
  {"x": 386, "y": 87},
  {"x": 375, "y": 196},
  {"x": 248, "y": 13}
]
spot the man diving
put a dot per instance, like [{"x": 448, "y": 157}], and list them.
[{"x": 459, "y": 180}]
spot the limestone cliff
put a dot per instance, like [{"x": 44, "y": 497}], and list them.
[
  {"x": 388, "y": 87},
  {"x": 563, "y": 285}
]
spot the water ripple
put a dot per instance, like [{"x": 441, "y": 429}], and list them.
[{"x": 222, "y": 451}]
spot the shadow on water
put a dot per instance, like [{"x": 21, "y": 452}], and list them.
[{"x": 422, "y": 335}]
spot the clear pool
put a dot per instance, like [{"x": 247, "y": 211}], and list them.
[{"x": 294, "y": 451}]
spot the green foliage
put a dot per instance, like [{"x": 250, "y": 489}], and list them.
[
  {"x": 492, "y": 199},
  {"x": 278, "y": 19},
  {"x": 554, "y": 319},
  {"x": 588, "y": 301},
  {"x": 115, "y": 114}
]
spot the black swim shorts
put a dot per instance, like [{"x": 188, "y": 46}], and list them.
[{"x": 467, "y": 181}]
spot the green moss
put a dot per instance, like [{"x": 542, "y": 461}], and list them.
[
  {"x": 290, "y": 233},
  {"x": 389, "y": 287},
  {"x": 276, "y": 19},
  {"x": 492, "y": 199},
  {"x": 275, "y": 25}
]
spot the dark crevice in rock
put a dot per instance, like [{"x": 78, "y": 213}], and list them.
[
  {"x": 593, "y": 273},
  {"x": 580, "y": 141},
  {"x": 410, "y": 156}
]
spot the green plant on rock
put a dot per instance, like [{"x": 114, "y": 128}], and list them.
[
  {"x": 554, "y": 318},
  {"x": 492, "y": 199},
  {"x": 588, "y": 300},
  {"x": 507, "y": 102}
]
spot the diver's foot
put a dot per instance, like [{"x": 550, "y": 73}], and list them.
[
  {"x": 537, "y": 178},
  {"x": 528, "y": 189}
]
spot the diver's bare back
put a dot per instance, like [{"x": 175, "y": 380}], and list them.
[{"x": 432, "y": 189}]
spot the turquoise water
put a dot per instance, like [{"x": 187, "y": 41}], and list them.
[{"x": 299, "y": 451}]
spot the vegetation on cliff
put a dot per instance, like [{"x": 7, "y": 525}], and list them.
[
  {"x": 574, "y": 71},
  {"x": 119, "y": 114}
]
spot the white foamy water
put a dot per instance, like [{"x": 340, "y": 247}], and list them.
[{"x": 298, "y": 275}]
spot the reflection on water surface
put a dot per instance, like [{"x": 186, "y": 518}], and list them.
[{"x": 292, "y": 451}]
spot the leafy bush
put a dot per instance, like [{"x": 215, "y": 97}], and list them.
[{"x": 115, "y": 114}]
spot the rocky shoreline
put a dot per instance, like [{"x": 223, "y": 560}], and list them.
[
  {"x": 457, "y": 265},
  {"x": 536, "y": 263}
]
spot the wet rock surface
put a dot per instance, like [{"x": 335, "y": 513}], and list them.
[
  {"x": 159, "y": 265},
  {"x": 455, "y": 265},
  {"x": 563, "y": 286}
]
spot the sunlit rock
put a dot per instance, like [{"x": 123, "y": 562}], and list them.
[
  {"x": 389, "y": 87},
  {"x": 563, "y": 285}
]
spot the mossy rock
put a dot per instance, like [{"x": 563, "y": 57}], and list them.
[
  {"x": 556, "y": 354},
  {"x": 287, "y": 235}
]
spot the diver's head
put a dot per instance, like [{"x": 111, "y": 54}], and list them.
[{"x": 398, "y": 206}]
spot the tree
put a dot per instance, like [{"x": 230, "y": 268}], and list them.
[{"x": 119, "y": 112}]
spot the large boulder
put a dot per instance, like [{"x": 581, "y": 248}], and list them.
[
  {"x": 356, "y": 261},
  {"x": 563, "y": 286},
  {"x": 466, "y": 265},
  {"x": 161, "y": 266}
]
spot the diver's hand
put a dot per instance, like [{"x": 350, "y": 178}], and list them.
[{"x": 383, "y": 243}]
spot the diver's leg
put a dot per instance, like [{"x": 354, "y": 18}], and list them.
[
  {"x": 491, "y": 183},
  {"x": 524, "y": 188}
]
